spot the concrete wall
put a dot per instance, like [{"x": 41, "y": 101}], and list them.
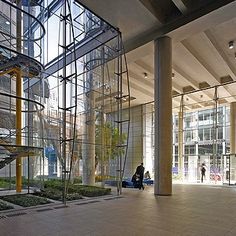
[
  {"x": 135, "y": 144},
  {"x": 148, "y": 139}
]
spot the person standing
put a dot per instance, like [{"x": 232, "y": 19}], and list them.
[
  {"x": 203, "y": 172},
  {"x": 140, "y": 172}
]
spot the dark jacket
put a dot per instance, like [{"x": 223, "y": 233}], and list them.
[{"x": 140, "y": 171}]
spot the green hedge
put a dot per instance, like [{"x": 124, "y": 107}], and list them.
[
  {"x": 25, "y": 200},
  {"x": 55, "y": 194},
  {"x": 6, "y": 181},
  {"x": 84, "y": 190},
  {"x": 74, "y": 192},
  {"x": 4, "y": 206},
  {"x": 90, "y": 191}
]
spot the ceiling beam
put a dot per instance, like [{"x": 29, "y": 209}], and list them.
[
  {"x": 206, "y": 66},
  {"x": 136, "y": 78},
  {"x": 181, "y": 6},
  {"x": 188, "y": 96},
  {"x": 134, "y": 86},
  {"x": 146, "y": 68},
  {"x": 185, "y": 21},
  {"x": 202, "y": 61},
  {"x": 163, "y": 10},
  {"x": 156, "y": 10},
  {"x": 188, "y": 80},
  {"x": 140, "y": 79},
  {"x": 175, "y": 85},
  {"x": 213, "y": 41}
]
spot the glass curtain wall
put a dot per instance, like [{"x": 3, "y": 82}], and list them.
[
  {"x": 72, "y": 67},
  {"x": 206, "y": 135},
  {"x": 201, "y": 135}
]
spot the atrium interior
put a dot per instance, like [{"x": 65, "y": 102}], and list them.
[{"x": 91, "y": 89}]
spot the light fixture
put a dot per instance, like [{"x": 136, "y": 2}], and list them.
[
  {"x": 7, "y": 23},
  {"x": 145, "y": 75},
  {"x": 231, "y": 44},
  {"x": 235, "y": 55},
  {"x": 25, "y": 48}
]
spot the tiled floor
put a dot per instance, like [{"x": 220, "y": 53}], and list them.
[{"x": 191, "y": 210}]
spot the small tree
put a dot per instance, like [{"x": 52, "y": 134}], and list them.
[{"x": 108, "y": 139}]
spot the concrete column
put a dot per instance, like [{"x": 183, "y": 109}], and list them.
[{"x": 163, "y": 116}]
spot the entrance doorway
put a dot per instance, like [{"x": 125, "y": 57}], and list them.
[
  {"x": 229, "y": 169},
  {"x": 217, "y": 173}
]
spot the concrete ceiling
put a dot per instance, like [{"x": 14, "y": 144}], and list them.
[{"x": 200, "y": 32}]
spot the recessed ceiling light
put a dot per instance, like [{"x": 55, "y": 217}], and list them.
[
  {"x": 7, "y": 22},
  {"x": 231, "y": 44},
  {"x": 145, "y": 75}
]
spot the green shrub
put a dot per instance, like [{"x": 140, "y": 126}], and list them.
[
  {"x": 91, "y": 191},
  {"x": 8, "y": 179},
  {"x": 57, "y": 195},
  {"x": 31, "y": 182},
  {"x": 55, "y": 184},
  {"x": 4, "y": 206},
  {"x": 77, "y": 180},
  {"x": 50, "y": 193},
  {"x": 74, "y": 192},
  {"x": 73, "y": 196},
  {"x": 4, "y": 183},
  {"x": 56, "y": 187},
  {"x": 25, "y": 200}
]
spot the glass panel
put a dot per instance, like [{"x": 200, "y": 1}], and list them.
[
  {"x": 232, "y": 169},
  {"x": 226, "y": 169}
]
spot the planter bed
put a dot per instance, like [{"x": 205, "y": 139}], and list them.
[
  {"x": 4, "y": 206},
  {"x": 55, "y": 187},
  {"x": 56, "y": 194},
  {"x": 25, "y": 200}
]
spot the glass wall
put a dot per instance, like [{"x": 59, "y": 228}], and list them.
[
  {"x": 206, "y": 135},
  {"x": 69, "y": 109},
  {"x": 200, "y": 143}
]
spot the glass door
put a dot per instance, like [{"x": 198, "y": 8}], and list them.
[
  {"x": 229, "y": 169},
  {"x": 192, "y": 169},
  {"x": 226, "y": 169},
  {"x": 232, "y": 169}
]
